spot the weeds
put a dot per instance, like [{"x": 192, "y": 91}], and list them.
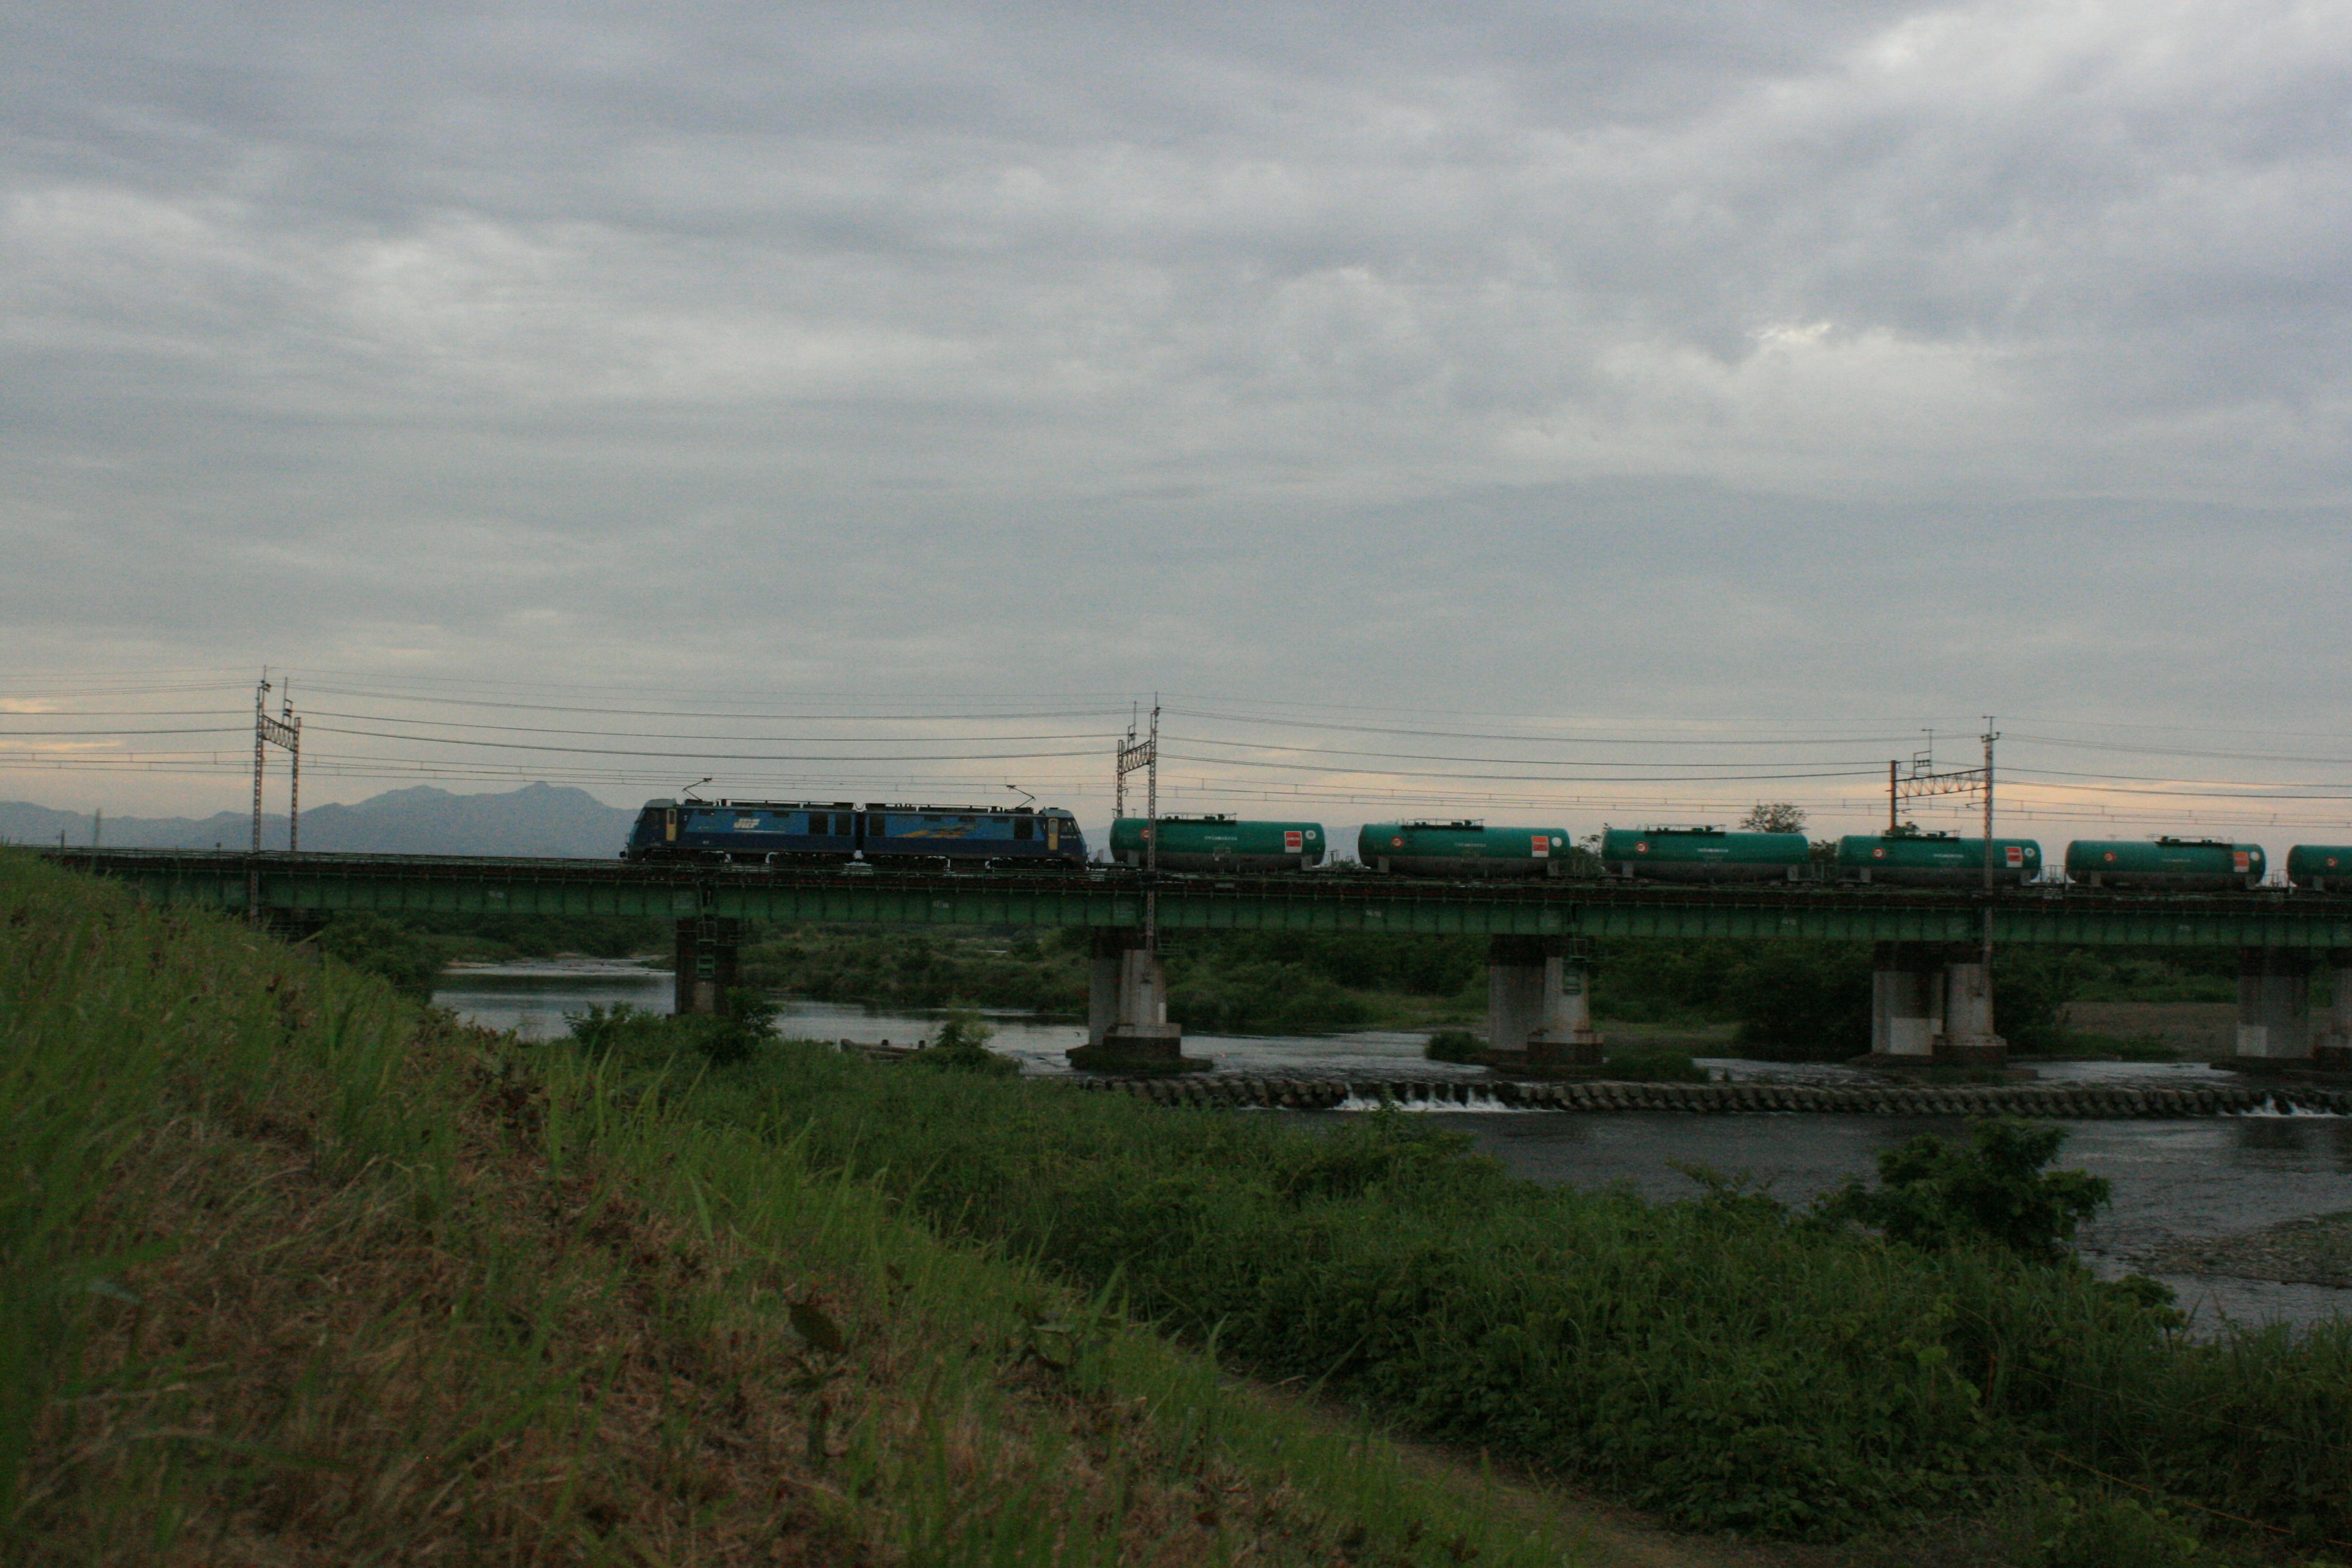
[
  {"x": 1733, "y": 1365},
  {"x": 295, "y": 1272}
]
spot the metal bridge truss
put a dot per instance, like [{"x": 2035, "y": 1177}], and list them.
[{"x": 1115, "y": 899}]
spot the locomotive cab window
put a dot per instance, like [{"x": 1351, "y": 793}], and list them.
[
  {"x": 1024, "y": 827},
  {"x": 820, "y": 824}
]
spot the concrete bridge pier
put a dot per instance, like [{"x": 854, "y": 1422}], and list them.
[
  {"x": 1967, "y": 1035},
  {"x": 1907, "y": 985},
  {"x": 2275, "y": 1006},
  {"x": 1539, "y": 1001},
  {"x": 2331, "y": 1044},
  {"x": 1126, "y": 1011},
  {"x": 707, "y": 945}
]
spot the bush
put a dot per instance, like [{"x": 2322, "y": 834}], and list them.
[
  {"x": 1937, "y": 1198},
  {"x": 963, "y": 1046},
  {"x": 721, "y": 1039},
  {"x": 372, "y": 944},
  {"x": 2075, "y": 1532},
  {"x": 1454, "y": 1046},
  {"x": 1644, "y": 1063}
]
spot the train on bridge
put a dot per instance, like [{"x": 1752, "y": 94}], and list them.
[{"x": 1032, "y": 838}]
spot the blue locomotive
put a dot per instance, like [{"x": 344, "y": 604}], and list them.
[{"x": 819, "y": 833}]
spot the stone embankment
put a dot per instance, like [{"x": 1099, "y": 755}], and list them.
[{"x": 2060, "y": 1102}]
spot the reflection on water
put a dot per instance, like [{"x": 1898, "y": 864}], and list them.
[{"x": 2173, "y": 1180}]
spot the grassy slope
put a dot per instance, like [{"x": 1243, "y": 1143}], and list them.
[
  {"x": 294, "y": 1276},
  {"x": 1712, "y": 1358}
]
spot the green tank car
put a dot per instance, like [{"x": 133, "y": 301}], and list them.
[
  {"x": 2169, "y": 864},
  {"x": 2322, "y": 868},
  {"x": 1935, "y": 859},
  {"x": 1704, "y": 855},
  {"x": 1463, "y": 849},
  {"x": 1219, "y": 844}
]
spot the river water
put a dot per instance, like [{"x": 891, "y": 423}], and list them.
[{"x": 2173, "y": 1181}]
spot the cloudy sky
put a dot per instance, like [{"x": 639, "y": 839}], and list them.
[{"x": 1643, "y": 373}]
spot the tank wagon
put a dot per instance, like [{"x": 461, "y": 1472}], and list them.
[
  {"x": 1934, "y": 859},
  {"x": 1704, "y": 855},
  {"x": 1463, "y": 849},
  {"x": 2322, "y": 868},
  {"x": 788, "y": 832},
  {"x": 2166, "y": 865},
  {"x": 1218, "y": 844}
]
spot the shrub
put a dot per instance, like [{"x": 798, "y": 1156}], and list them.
[
  {"x": 1454, "y": 1046},
  {"x": 377, "y": 946},
  {"x": 1937, "y": 1198},
  {"x": 1642, "y": 1063},
  {"x": 721, "y": 1039},
  {"x": 963, "y": 1046},
  {"x": 2075, "y": 1532}
]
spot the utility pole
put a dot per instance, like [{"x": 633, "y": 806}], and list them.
[
  {"x": 1990, "y": 735},
  {"x": 292, "y": 726},
  {"x": 1151, "y": 836},
  {"x": 1126, "y": 758},
  {"x": 260, "y": 717},
  {"x": 284, "y": 730}
]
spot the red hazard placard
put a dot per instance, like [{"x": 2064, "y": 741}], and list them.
[
  {"x": 2014, "y": 854},
  {"x": 1293, "y": 840},
  {"x": 2245, "y": 860},
  {"x": 1542, "y": 849}
]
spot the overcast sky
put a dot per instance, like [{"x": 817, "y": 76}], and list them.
[{"x": 1852, "y": 368}]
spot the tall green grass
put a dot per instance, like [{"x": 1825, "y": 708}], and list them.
[
  {"x": 294, "y": 1272},
  {"x": 1716, "y": 1359}
]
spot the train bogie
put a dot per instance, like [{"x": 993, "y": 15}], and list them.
[
  {"x": 2322, "y": 868},
  {"x": 2165, "y": 865},
  {"x": 1704, "y": 855},
  {"x": 1935, "y": 859},
  {"x": 1215, "y": 844},
  {"x": 1463, "y": 849}
]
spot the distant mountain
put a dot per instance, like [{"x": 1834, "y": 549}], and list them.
[{"x": 540, "y": 819}]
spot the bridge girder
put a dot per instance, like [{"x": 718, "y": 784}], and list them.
[{"x": 450, "y": 885}]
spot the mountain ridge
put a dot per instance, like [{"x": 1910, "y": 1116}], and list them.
[{"x": 539, "y": 819}]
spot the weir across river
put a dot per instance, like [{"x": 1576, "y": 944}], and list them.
[{"x": 1932, "y": 997}]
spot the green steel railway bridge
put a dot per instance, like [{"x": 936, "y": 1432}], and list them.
[{"x": 1932, "y": 996}]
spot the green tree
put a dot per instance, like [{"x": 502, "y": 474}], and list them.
[{"x": 1774, "y": 816}]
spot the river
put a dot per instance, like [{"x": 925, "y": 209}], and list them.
[{"x": 2174, "y": 1181}]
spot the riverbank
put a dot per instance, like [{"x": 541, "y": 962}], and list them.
[
  {"x": 298, "y": 1274},
  {"x": 1668, "y": 1352}
]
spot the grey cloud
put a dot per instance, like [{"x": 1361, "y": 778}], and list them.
[{"x": 1639, "y": 358}]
